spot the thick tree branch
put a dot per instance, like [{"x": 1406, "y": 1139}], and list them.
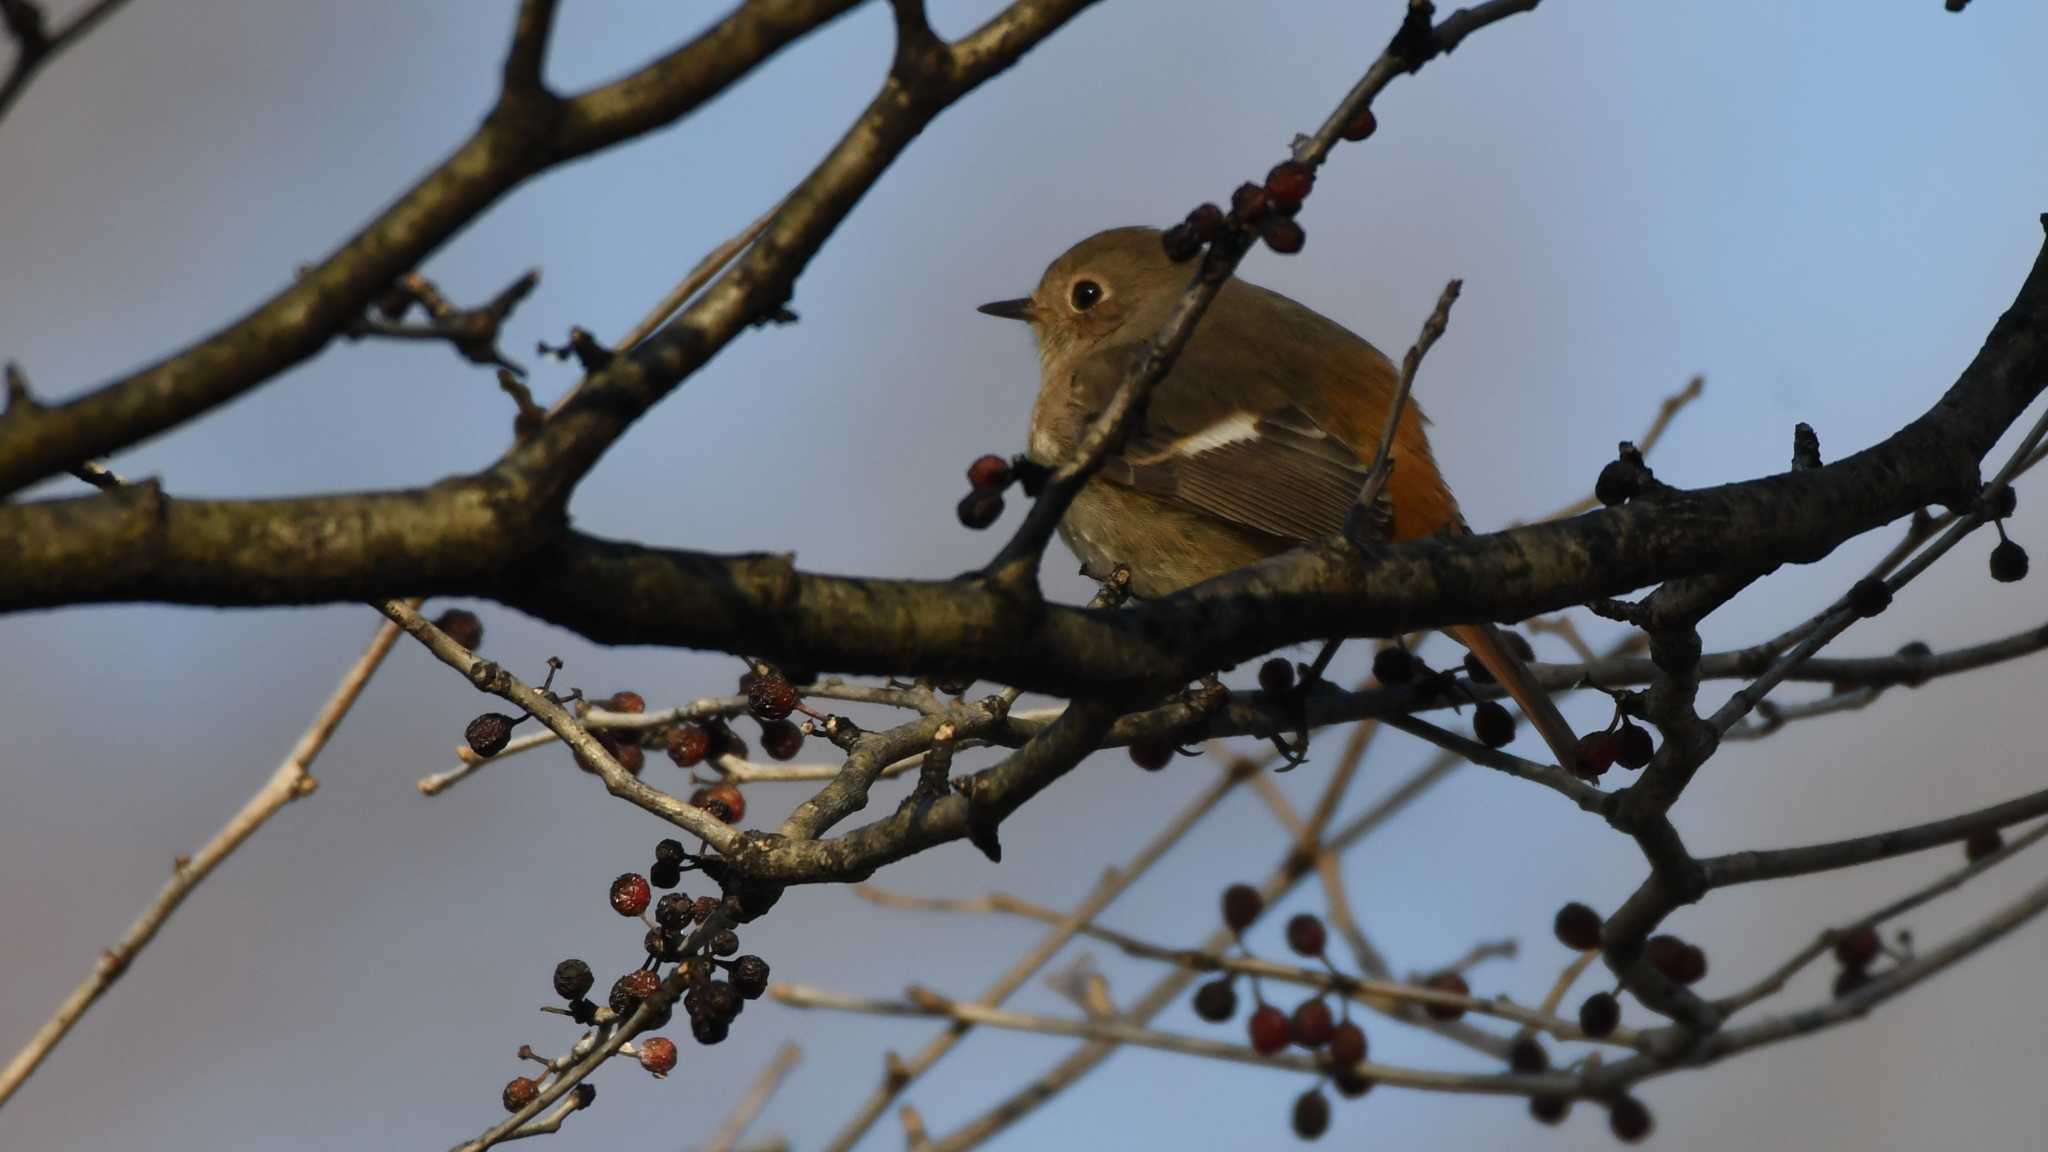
[
  {"x": 520, "y": 138},
  {"x": 107, "y": 548}
]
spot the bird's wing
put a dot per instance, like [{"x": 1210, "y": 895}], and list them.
[
  {"x": 1253, "y": 443},
  {"x": 1275, "y": 472}
]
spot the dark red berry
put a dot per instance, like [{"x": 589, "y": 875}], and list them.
[
  {"x": 630, "y": 894},
  {"x": 687, "y": 745},
  {"x": 1276, "y": 676},
  {"x": 1600, "y": 1015},
  {"x": 583, "y": 1012},
  {"x": 1983, "y": 842},
  {"x": 1216, "y": 1000},
  {"x": 722, "y": 800},
  {"x": 656, "y": 943},
  {"x": 1577, "y": 927},
  {"x": 1450, "y": 983},
  {"x": 1550, "y": 1109},
  {"x": 1633, "y": 746},
  {"x": 1282, "y": 235},
  {"x": 724, "y": 942},
  {"x": 772, "y": 697},
  {"x": 1205, "y": 222},
  {"x": 1998, "y": 507},
  {"x": 519, "y": 1092},
  {"x": 630, "y": 756},
  {"x": 1857, "y": 949},
  {"x": 629, "y": 990},
  {"x": 631, "y": 702},
  {"x": 1306, "y": 935},
  {"x": 1869, "y": 596},
  {"x": 1596, "y": 755},
  {"x": 572, "y": 979},
  {"x": 1181, "y": 245},
  {"x": 488, "y": 734},
  {"x": 1628, "y": 1119},
  {"x": 1393, "y": 665},
  {"x": 1666, "y": 954},
  {"x": 658, "y": 1055},
  {"x": 1850, "y": 980},
  {"x": 719, "y": 1000},
  {"x": 1360, "y": 126},
  {"x": 1618, "y": 482},
  {"x": 2008, "y": 562},
  {"x": 708, "y": 1030},
  {"x": 1527, "y": 1055},
  {"x": 665, "y": 874},
  {"x": 706, "y": 907},
  {"x": 674, "y": 910},
  {"x": 1347, "y": 1044},
  {"x": 1350, "y": 1082},
  {"x": 1312, "y": 1024},
  {"x": 989, "y": 472},
  {"x": 585, "y": 1094},
  {"x": 749, "y": 976},
  {"x": 465, "y": 629},
  {"x": 1269, "y": 1029},
  {"x": 1248, "y": 203},
  {"x": 1692, "y": 965},
  {"x": 1241, "y": 905},
  {"x": 1152, "y": 755},
  {"x": 1476, "y": 670},
  {"x": 1289, "y": 182},
  {"x": 1311, "y": 1114},
  {"x": 781, "y": 740},
  {"x": 980, "y": 508},
  {"x": 1493, "y": 724}
]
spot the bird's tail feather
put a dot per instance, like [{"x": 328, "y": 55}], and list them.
[{"x": 1485, "y": 642}]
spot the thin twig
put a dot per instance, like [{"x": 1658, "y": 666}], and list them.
[
  {"x": 289, "y": 782},
  {"x": 35, "y": 47},
  {"x": 1667, "y": 410},
  {"x": 1381, "y": 995},
  {"x": 1113, "y": 884},
  {"x": 756, "y": 1098},
  {"x": 1775, "y": 982},
  {"x": 490, "y": 677},
  {"x": 1383, "y": 458},
  {"x": 922, "y": 1002}
]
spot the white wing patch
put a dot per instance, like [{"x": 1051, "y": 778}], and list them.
[{"x": 1230, "y": 430}]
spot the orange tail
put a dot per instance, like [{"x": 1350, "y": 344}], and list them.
[{"x": 1485, "y": 642}]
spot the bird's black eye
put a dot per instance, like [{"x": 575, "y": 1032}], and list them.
[{"x": 1084, "y": 294}]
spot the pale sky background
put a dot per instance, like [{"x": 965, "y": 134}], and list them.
[{"x": 1820, "y": 206}]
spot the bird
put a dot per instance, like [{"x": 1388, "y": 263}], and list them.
[{"x": 1258, "y": 438}]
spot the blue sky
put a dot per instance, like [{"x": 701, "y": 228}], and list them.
[{"x": 1821, "y": 207}]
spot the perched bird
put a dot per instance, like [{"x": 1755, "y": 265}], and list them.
[{"x": 1259, "y": 438}]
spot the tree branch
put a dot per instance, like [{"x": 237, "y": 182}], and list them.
[{"x": 35, "y": 47}]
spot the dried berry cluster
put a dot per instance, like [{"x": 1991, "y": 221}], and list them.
[
  {"x": 694, "y": 935},
  {"x": 1623, "y": 742},
  {"x": 771, "y": 699},
  {"x": 1580, "y": 928},
  {"x": 1493, "y": 724},
  {"x": 1258, "y": 211},
  {"x": 1339, "y": 1042}
]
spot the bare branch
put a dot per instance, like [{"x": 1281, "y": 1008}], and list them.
[
  {"x": 35, "y": 46},
  {"x": 292, "y": 780}
]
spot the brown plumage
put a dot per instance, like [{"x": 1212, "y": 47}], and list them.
[{"x": 1259, "y": 438}]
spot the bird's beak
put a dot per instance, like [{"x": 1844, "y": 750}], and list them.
[{"x": 1019, "y": 309}]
